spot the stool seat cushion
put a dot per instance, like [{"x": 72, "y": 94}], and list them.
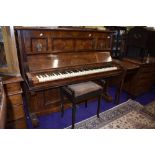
[{"x": 84, "y": 88}]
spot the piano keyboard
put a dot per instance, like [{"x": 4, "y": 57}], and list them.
[{"x": 74, "y": 73}]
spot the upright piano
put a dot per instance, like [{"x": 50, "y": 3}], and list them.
[{"x": 50, "y": 58}]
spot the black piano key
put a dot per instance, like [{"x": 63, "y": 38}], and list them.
[
  {"x": 58, "y": 73},
  {"x": 80, "y": 69},
  {"x": 49, "y": 74},
  {"x": 63, "y": 72},
  {"x": 75, "y": 70},
  {"x": 55, "y": 73}
]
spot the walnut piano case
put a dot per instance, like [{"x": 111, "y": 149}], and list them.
[{"x": 48, "y": 53}]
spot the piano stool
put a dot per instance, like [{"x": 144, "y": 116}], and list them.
[{"x": 80, "y": 92}]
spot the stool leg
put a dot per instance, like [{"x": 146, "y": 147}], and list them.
[
  {"x": 98, "y": 107},
  {"x": 86, "y": 104},
  {"x": 62, "y": 103},
  {"x": 73, "y": 114}
]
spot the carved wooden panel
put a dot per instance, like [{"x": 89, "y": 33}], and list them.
[
  {"x": 84, "y": 44},
  {"x": 44, "y": 101},
  {"x": 35, "y": 41},
  {"x": 39, "y": 45},
  {"x": 63, "y": 44},
  {"x": 62, "y": 34},
  {"x": 51, "y": 97},
  {"x": 103, "y": 44},
  {"x": 56, "y": 40}
]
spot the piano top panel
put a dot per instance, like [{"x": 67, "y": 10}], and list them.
[
  {"x": 63, "y": 60},
  {"x": 36, "y": 41},
  {"x": 60, "y": 28}
]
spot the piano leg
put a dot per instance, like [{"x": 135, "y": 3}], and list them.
[
  {"x": 73, "y": 113},
  {"x": 27, "y": 104},
  {"x": 33, "y": 116},
  {"x": 105, "y": 86},
  {"x": 62, "y": 103},
  {"x": 119, "y": 88}
]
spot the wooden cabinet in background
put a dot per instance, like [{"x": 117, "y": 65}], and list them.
[
  {"x": 143, "y": 80},
  {"x": 15, "y": 109}
]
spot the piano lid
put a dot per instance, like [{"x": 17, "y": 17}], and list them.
[{"x": 49, "y": 61}]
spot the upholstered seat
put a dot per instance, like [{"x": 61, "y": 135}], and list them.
[
  {"x": 84, "y": 88},
  {"x": 80, "y": 92}
]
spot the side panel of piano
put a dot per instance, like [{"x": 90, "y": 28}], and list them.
[{"x": 32, "y": 42}]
